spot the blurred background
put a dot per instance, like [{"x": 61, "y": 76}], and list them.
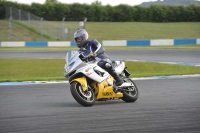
[{"x": 53, "y": 20}]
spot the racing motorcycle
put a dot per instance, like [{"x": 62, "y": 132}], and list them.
[{"x": 90, "y": 83}]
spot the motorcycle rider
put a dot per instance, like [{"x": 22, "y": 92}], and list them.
[{"x": 93, "y": 46}]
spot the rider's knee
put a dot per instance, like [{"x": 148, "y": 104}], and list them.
[{"x": 104, "y": 64}]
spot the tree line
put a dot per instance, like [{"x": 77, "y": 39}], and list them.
[
  {"x": 96, "y": 12},
  {"x": 172, "y": 2}
]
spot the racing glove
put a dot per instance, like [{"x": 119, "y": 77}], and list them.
[{"x": 92, "y": 55}]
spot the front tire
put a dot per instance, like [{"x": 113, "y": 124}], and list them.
[
  {"x": 131, "y": 96},
  {"x": 85, "y": 98}
]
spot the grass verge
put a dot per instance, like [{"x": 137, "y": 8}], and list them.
[
  {"x": 99, "y": 30},
  {"x": 31, "y": 29},
  {"x": 53, "y": 69}
]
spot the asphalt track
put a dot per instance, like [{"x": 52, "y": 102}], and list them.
[
  {"x": 168, "y": 55},
  {"x": 164, "y": 105}
]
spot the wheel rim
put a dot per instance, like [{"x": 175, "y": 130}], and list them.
[
  {"x": 133, "y": 90},
  {"x": 86, "y": 95}
]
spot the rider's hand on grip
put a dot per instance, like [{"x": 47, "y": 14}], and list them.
[{"x": 93, "y": 55}]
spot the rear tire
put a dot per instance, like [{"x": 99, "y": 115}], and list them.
[
  {"x": 85, "y": 98},
  {"x": 131, "y": 96}
]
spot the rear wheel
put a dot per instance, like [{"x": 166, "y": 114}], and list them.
[
  {"x": 131, "y": 94},
  {"x": 85, "y": 98}
]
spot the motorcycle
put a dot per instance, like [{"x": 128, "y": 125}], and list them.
[{"x": 90, "y": 83}]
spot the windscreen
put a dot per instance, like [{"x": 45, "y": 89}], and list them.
[{"x": 70, "y": 56}]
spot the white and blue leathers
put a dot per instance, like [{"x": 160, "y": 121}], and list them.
[{"x": 93, "y": 46}]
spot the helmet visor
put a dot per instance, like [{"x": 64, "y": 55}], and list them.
[{"x": 78, "y": 40}]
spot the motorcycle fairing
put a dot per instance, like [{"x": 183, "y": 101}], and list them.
[
  {"x": 73, "y": 62},
  {"x": 82, "y": 81},
  {"x": 104, "y": 91}
]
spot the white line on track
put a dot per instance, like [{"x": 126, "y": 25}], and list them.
[{"x": 142, "y": 78}]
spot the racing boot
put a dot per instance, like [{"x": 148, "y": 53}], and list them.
[{"x": 118, "y": 80}]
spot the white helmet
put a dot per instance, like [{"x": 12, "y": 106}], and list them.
[{"x": 83, "y": 34}]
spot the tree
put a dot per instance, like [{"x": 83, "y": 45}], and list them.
[
  {"x": 123, "y": 13},
  {"x": 78, "y": 11},
  {"x": 51, "y": 2},
  {"x": 157, "y": 13},
  {"x": 96, "y": 3},
  {"x": 141, "y": 14},
  {"x": 38, "y": 9},
  {"x": 61, "y": 10},
  {"x": 96, "y": 12}
]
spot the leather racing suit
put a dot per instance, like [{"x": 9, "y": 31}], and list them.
[{"x": 93, "y": 46}]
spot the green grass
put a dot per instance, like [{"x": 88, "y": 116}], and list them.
[
  {"x": 138, "y": 30},
  {"x": 146, "y": 69},
  {"x": 53, "y": 69},
  {"x": 107, "y": 30},
  {"x": 18, "y": 32},
  {"x": 31, "y": 69},
  {"x": 31, "y": 29},
  {"x": 142, "y": 30}
]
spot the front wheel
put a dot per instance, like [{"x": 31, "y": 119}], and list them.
[
  {"x": 132, "y": 93},
  {"x": 85, "y": 98}
]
